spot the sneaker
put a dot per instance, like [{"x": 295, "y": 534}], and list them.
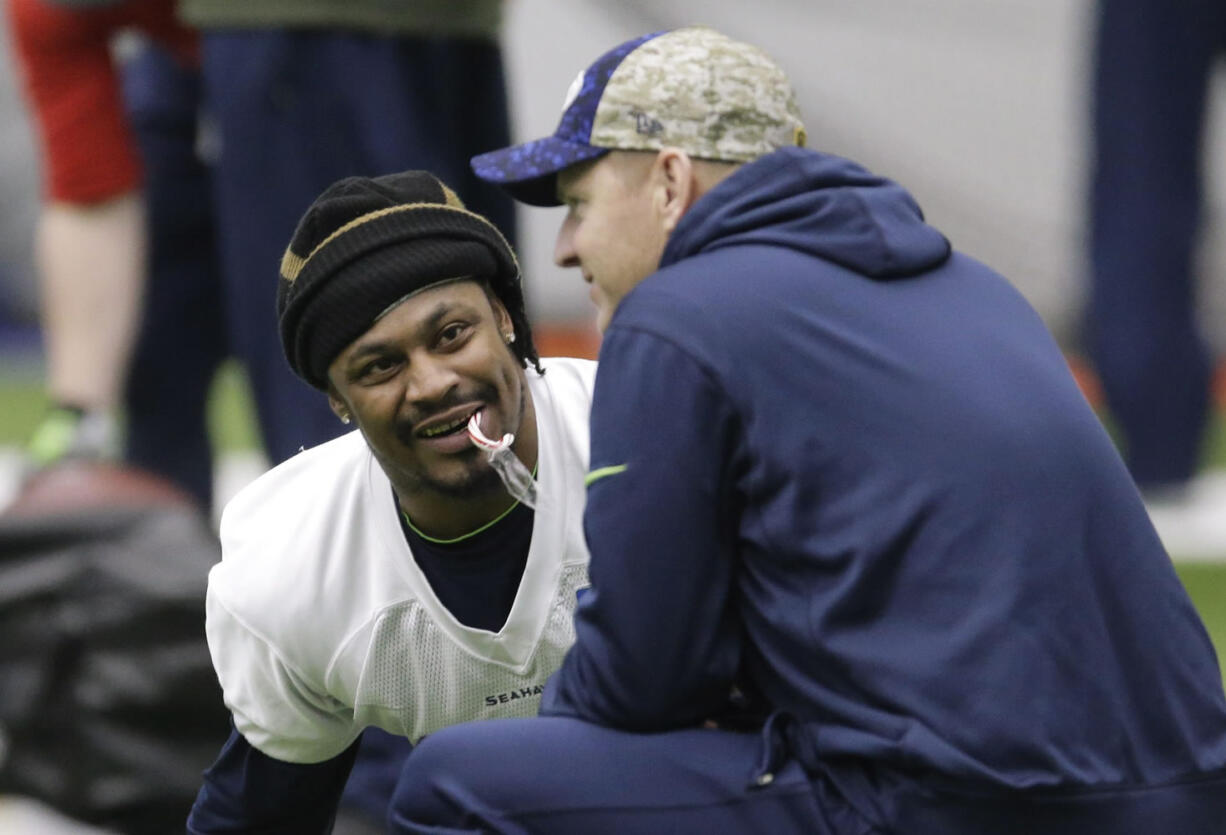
[
  {"x": 1191, "y": 519},
  {"x": 68, "y": 432}
]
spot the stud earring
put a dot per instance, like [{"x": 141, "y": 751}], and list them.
[
  {"x": 509, "y": 337},
  {"x": 345, "y": 419}
]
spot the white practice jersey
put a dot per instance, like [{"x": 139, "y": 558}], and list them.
[{"x": 320, "y": 622}]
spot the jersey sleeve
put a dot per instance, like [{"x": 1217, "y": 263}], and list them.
[
  {"x": 248, "y": 791},
  {"x": 656, "y": 646},
  {"x": 274, "y": 706}
]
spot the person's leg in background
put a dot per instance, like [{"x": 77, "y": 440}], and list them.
[
  {"x": 469, "y": 95},
  {"x": 182, "y": 337},
  {"x": 1152, "y": 68},
  {"x": 91, "y": 240}
]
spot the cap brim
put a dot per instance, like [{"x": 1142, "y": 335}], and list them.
[{"x": 528, "y": 172}]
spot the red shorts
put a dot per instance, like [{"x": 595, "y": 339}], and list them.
[{"x": 72, "y": 86}]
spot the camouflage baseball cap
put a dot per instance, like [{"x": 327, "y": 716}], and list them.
[{"x": 692, "y": 88}]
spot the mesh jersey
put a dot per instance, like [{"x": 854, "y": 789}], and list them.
[{"x": 320, "y": 623}]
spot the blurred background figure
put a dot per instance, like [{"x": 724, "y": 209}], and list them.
[
  {"x": 131, "y": 304},
  {"x": 1152, "y": 74},
  {"x": 91, "y": 244},
  {"x": 181, "y": 341}
]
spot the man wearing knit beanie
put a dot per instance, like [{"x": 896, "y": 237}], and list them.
[{"x": 401, "y": 577}]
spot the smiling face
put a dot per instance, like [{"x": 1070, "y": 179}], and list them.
[
  {"x": 414, "y": 379},
  {"x": 614, "y": 231}
]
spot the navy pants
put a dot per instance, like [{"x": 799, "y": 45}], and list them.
[
  {"x": 295, "y": 111},
  {"x": 559, "y": 775},
  {"x": 182, "y": 339},
  {"x": 1151, "y": 74}
]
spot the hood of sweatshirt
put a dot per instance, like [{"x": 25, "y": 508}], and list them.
[{"x": 817, "y": 203}]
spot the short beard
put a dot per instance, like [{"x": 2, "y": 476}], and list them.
[{"x": 479, "y": 481}]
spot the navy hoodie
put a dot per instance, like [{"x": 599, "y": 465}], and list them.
[{"x": 847, "y": 468}]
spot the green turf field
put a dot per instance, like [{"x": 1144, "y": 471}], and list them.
[
  {"x": 232, "y": 422},
  {"x": 1206, "y": 584}
]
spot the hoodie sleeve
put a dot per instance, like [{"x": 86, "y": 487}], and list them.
[{"x": 657, "y": 646}]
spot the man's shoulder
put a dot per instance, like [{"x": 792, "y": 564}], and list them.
[
  {"x": 567, "y": 374},
  {"x": 300, "y": 481},
  {"x": 730, "y": 275},
  {"x": 565, "y": 389},
  {"x": 296, "y": 521},
  {"x": 708, "y": 302},
  {"x": 563, "y": 400},
  {"x": 685, "y": 305}
]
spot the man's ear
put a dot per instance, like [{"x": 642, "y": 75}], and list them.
[
  {"x": 337, "y": 405},
  {"x": 676, "y": 186}
]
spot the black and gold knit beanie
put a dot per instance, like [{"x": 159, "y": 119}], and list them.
[{"x": 366, "y": 243}]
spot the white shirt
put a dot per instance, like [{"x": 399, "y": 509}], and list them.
[{"x": 320, "y": 622}]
